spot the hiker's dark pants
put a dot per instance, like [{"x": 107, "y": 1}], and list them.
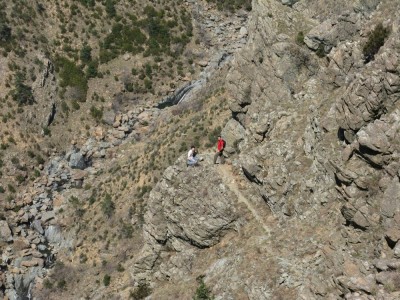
[{"x": 221, "y": 157}]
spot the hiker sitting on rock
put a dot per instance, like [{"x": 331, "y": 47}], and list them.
[{"x": 192, "y": 158}]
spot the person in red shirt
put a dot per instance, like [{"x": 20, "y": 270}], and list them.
[{"x": 220, "y": 151}]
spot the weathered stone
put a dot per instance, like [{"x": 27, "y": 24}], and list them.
[
  {"x": 77, "y": 161},
  {"x": 32, "y": 263},
  {"x": 389, "y": 279},
  {"x": 360, "y": 219},
  {"x": 47, "y": 216},
  {"x": 289, "y": 2},
  {"x": 393, "y": 234},
  {"x": 118, "y": 134},
  {"x": 5, "y": 232},
  {"x": 330, "y": 32},
  {"x": 37, "y": 225},
  {"x": 366, "y": 284},
  {"x": 170, "y": 215},
  {"x": 202, "y": 63},
  {"x": 390, "y": 203},
  {"x": 78, "y": 174},
  {"x": 232, "y": 133},
  {"x": 99, "y": 133}
]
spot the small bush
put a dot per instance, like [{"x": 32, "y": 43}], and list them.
[
  {"x": 142, "y": 291},
  {"x": 108, "y": 206},
  {"x": 86, "y": 54},
  {"x": 5, "y": 32},
  {"x": 96, "y": 113},
  {"x": 47, "y": 284},
  {"x": 46, "y": 131},
  {"x": 300, "y": 38},
  {"x": 20, "y": 179},
  {"x": 106, "y": 280},
  {"x": 127, "y": 230},
  {"x": 376, "y": 39},
  {"x": 22, "y": 93},
  {"x": 120, "y": 268},
  {"x": 202, "y": 292},
  {"x": 62, "y": 284}
]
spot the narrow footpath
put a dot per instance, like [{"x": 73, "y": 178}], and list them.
[{"x": 227, "y": 178}]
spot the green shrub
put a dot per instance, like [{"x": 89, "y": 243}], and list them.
[
  {"x": 232, "y": 5},
  {"x": 40, "y": 160},
  {"x": 202, "y": 292},
  {"x": 106, "y": 280},
  {"x": 96, "y": 113},
  {"x": 61, "y": 284},
  {"x": 46, "y": 131},
  {"x": 376, "y": 39},
  {"x": 320, "y": 51},
  {"x": 22, "y": 93},
  {"x": 47, "y": 284},
  {"x": 120, "y": 268},
  {"x": 75, "y": 105},
  {"x": 110, "y": 8},
  {"x": 5, "y": 32},
  {"x": 86, "y": 54},
  {"x": 72, "y": 76},
  {"x": 127, "y": 230},
  {"x": 142, "y": 291},
  {"x": 20, "y": 179},
  {"x": 11, "y": 188},
  {"x": 88, "y": 3},
  {"x": 108, "y": 206},
  {"x": 300, "y": 38},
  {"x": 92, "y": 69},
  {"x": 123, "y": 38}
]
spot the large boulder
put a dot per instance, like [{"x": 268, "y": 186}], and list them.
[
  {"x": 189, "y": 205},
  {"x": 332, "y": 31},
  {"x": 233, "y": 133}
]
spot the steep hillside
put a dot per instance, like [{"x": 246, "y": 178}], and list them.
[
  {"x": 305, "y": 95},
  {"x": 84, "y": 139}
]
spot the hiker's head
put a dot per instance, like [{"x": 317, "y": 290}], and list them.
[
  {"x": 192, "y": 147},
  {"x": 219, "y": 137}
]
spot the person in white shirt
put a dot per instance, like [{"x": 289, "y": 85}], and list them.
[{"x": 192, "y": 157}]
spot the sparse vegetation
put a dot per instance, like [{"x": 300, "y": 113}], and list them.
[
  {"x": 202, "y": 292},
  {"x": 142, "y": 291},
  {"x": 96, "y": 113},
  {"x": 106, "y": 280},
  {"x": 22, "y": 92},
  {"x": 72, "y": 76},
  {"x": 376, "y": 39},
  {"x": 232, "y": 5},
  {"x": 300, "y": 38},
  {"x": 108, "y": 206}
]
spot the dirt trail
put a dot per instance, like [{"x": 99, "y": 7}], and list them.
[{"x": 229, "y": 180}]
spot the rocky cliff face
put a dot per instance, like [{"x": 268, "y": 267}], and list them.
[
  {"x": 313, "y": 147},
  {"x": 306, "y": 207}
]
